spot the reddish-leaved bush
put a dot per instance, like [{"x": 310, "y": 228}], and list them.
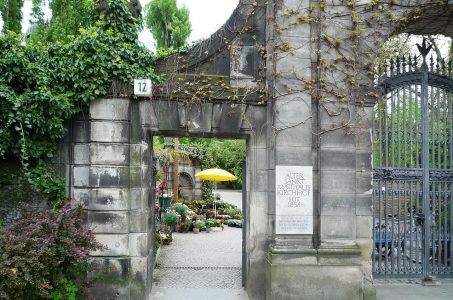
[{"x": 43, "y": 251}]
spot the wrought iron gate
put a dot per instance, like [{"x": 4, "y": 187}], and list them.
[{"x": 413, "y": 169}]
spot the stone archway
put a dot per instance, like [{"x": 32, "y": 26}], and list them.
[
  {"x": 187, "y": 186},
  {"x": 209, "y": 92}
]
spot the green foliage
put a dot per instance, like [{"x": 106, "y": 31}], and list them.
[
  {"x": 68, "y": 16},
  {"x": 42, "y": 85},
  {"x": 211, "y": 223},
  {"x": 169, "y": 24},
  {"x": 181, "y": 209},
  {"x": 11, "y": 12},
  {"x": 233, "y": 212},
  {"x": 199, "y": 224},
  {"x": 69, "y": 287},
  {"x": 46, "y": 254},
  {"x": 221, "y": 153},
  {"x": 171, "y": 218}
]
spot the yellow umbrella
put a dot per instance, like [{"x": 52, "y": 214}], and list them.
[{"x": 215, "y": 175}]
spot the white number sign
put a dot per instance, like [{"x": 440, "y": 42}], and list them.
[{"x": 142, "y": 87}]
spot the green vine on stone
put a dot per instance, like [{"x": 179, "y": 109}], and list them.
[{"x": 43, "y": 85}]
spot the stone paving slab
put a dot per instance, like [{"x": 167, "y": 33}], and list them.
[
  {"x": 198, "y": 294},
  {"x": 198, "y": 278},
  {"x": 200, "y": 266},
  {"x": 215, "y": 249},
  {"x": 386, "y": 291}
]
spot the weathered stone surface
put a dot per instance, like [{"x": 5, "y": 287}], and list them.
[
  {"x": 342, "y": 204},
  {"x": 139, "y": 287},
  {"x": 336, "y": 227},
  {"x": 81, "y": 176},
  {"x": 231, "y": 119},
  {"x": 117, "y": 245},
  {"x": 292, "y": 110},
  {"x": 109, "y": 154},
  {"x": 364, "y": 205},
  {"x": 338, "y": 139},
  {"x": 81, "y": 154},
  {"x": 111, "y": 132},
  {"x": 364, "y": 223},
  {"x": 139, "y": 244},
  {"x": 300, "y": 156},
  {"x": 81, "y": 131},
  {"x": 168, "y": 121},
  {"x": 109, "y": 176},
  {"x": 115, "y": 284},
  {"x": 148, "y": 114},
  {"x": 338, "y": 282},
  {"x": 140, "y": 221},
  {"x": 108, "y": 222},
  {"x": 298, "y": 136},
  {"x": 335, "y": 182},
  {"x": 115, "y": 109},
  {"x": 102, "y": 198},
  {"x": 338, "y": 159}
]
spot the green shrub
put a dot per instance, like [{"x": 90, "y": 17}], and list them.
[
  {"x": 233, "y": 212},
  {"x": 171, "y": 218},
  {"x": 211, "y": 223},
  {"x": 199, "y": 224},
  {"x": 45, "y": 255},
  {"x": 181, "y": 209}
]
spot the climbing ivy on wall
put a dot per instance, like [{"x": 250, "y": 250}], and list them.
[{"x": 42, "y": 85}]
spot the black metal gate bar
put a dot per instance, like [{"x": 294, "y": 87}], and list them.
[{"x": 412, "y": 175}]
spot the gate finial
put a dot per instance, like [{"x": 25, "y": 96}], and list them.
[{"x": 424, "y": 50}]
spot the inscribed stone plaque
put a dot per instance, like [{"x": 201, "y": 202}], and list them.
[{"x": 294, "y": 199}]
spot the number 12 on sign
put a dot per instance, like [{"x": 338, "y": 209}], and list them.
[{"x": 142, "y": 87}]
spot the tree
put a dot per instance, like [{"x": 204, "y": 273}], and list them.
[
  {"x": 11, "y": 11},
  {"x": 69, "y": 16},
  {"x": 169, "y": 24}
]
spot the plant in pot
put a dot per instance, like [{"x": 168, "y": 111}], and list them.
[
  {"x": 171, "y": 218},
  {"x": 218, "y": 225},
  {"x": 210, "y": 224},
  {"x": 182, "y": 210},
  {"x": 198, "y": 226},
  {"x": 185, "y": 225}
]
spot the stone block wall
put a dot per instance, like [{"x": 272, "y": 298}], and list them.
[{"x": 110, "y": 179}]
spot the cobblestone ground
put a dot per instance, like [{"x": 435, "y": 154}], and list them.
[{"x": 200, "y": 263}]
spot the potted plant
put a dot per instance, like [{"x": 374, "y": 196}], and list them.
[
  {"x": 209, "y": 224},
  {"x": 171, "y": 218},
  {"x": 182, "y": 210},
  {"x": 218, "y": 226},
  {"x": 185, "y": 225},
  {"x": 197, "y": 226}
]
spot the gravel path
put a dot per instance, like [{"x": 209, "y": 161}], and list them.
[{"x": 194, "y": 264}]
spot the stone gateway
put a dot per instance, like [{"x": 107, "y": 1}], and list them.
[{"x": 294, "y": 78}]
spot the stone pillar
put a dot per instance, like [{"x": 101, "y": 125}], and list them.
[
  {"x": 291, "y": 260},
  {"x": 110, "y": 179},
  {"x": 330, "y": 263}
]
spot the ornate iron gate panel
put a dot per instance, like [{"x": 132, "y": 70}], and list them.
[{"x": 413, "y": 169}]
